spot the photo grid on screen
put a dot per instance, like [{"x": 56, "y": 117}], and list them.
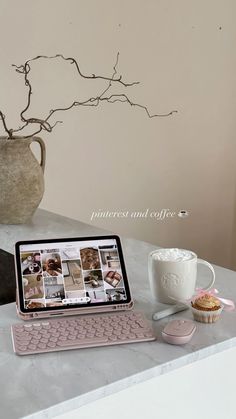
[{"x": 65, "y": 274}]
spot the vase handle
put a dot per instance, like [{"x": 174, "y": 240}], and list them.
[{"x": 43, "y": 151}]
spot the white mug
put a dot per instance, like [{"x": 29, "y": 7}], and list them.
[{"x": 173, "y": 274}]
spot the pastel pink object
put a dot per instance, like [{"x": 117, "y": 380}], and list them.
[
  {"x": 179, "y": 331},
  {"x": 80, "y": 332},
  {"x": 228, "y": 304}
]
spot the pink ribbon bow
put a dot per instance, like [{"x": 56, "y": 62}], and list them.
[{"x": 228, "y": 304}]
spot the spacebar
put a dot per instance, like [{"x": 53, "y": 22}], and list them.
[{"x": 86, "y": 341}]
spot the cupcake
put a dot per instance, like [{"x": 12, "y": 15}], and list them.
[{"x": 206, "y": 308}]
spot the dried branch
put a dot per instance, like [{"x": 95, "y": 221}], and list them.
[
  {"x": 110, "y": 99},
  {"x": 113, "y": 75},
  {"x": 118, "y": 98},
  {"x": 44, "y": 124},
  {"x": 8, "y": 131},
  {"x": 25, "y": 68}
]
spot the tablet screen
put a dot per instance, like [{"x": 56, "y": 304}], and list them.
[{"x": 71, "y": 273}]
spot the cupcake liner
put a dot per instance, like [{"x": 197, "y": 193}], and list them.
[{"x": 206, "y": 316}]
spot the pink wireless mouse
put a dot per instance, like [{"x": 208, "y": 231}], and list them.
[{"x": 178, "y": 331}]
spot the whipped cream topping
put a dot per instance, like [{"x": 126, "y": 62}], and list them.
[{"x": 173, "y": 255}]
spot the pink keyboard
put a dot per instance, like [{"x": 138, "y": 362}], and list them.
[{"x": 80, "y": 332}]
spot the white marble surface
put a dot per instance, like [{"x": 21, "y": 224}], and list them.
[
  {"x": 45, "y": 385},
  {"x": 43, "y": 225}
]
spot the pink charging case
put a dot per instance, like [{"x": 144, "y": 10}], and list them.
[{"x": 179, "y": 331}]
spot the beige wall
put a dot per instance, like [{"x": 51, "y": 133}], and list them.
[{"x": 114, "y": 157}]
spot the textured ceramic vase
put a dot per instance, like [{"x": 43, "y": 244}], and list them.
[{"x": 21, "y": 179}]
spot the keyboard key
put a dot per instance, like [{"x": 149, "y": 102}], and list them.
[
  {"x": 34, "y": 341},
  {"x": 71, "y": 337},
  {"x": 23, "y": 342},
  {"x": 33, "y": 347},
  {"x": 55, "y": 334},
  {"x": 62, "y": 338},
  {"x": 51, "y": 344},
  {"x": 42, "y": 345},
  {"x": 46, "y": 327},
  {"x": 46, "y": 335},
  {"x": 34, "y": 332},
  {"x": 90, "y": 335},
  {"x": 86, "y": 341},
  {"x": 19, "y": 326},
  {"x": 131, "y": 336},
  {"x": 28, "y": 327},
  {"x": 121, "y": 336},
  {"x": 23, "y": 337},
  {"x": 112, "y": 338},
  {"x": 22, "y": 348}
]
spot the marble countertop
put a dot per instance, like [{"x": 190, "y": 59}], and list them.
[
  {"x": 43, "y": 225},
  {"x": 45, "y": 385}
]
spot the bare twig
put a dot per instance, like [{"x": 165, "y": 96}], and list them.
[
  {"x": 118, "y": 98},
  {"x": 44, "y": 124},
  {"x": 112, "y": 77},
  {"x": 25, "y": 68},
  {"x": 8, "y": 131}
]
